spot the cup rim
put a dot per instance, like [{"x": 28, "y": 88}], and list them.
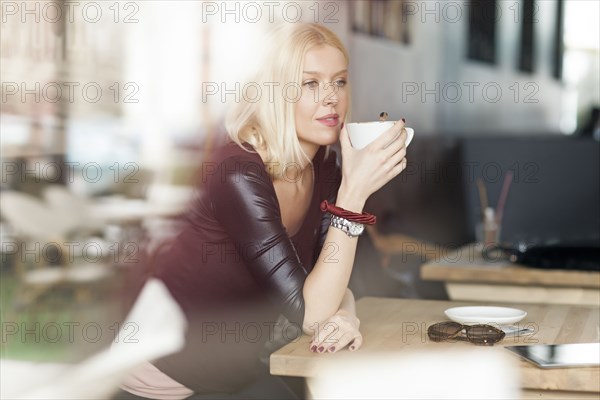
[{"x": 370, "y": 122}]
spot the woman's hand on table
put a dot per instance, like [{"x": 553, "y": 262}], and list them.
[{"x": 337, "y": 332}]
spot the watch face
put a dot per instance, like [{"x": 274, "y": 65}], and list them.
[{"x": 356, "y": 229}]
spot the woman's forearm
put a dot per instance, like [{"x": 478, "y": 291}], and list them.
[{"x": 325, "y": 287}]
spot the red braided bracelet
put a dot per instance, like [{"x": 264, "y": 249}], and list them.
[{"x": 364, "y": 218}]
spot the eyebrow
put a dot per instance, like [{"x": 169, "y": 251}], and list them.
[{"x": 318, "y": 73}]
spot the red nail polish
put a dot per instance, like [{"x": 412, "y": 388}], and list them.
[
  {"x": 352, "y": 347},
  {"x": 321, "y": 349},
  {"x": 313, "y": 348},
  {"x": 332, "y": 349},
  {"x": 403, "y": 120}
]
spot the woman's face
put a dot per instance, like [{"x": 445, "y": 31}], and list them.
[{"x": 322, "y": 106}]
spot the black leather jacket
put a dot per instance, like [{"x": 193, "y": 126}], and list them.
[{"x": 234, "y": 269}]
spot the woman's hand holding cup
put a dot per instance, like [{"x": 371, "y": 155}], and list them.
[{"x": 366, "y": 170}]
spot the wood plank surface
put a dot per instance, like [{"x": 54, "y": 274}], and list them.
[
  {"x": 462, "y": 291},
  {"x": 390, "y": 325},
  {"x": 467, "y": 265}
]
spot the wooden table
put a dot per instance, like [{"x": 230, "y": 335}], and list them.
[
  {"x": 468, "y": 277},
  {"x": 390, "y": 325}
]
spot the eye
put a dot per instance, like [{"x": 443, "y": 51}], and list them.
[
  {"x": 311, "y": 84},
  {"x": 340, "y": 83}
]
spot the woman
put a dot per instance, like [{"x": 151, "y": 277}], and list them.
[{"x": 256, "y": 242}]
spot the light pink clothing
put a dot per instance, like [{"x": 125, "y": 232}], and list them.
[{"x": 148, "y": 381}]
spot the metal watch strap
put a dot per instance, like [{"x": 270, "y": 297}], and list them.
[{"x": 350, "y": 228}]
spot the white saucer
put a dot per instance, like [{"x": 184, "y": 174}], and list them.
[{"x": 485, "y": 315}]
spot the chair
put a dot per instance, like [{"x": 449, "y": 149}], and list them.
[
  {"x": 76, "y": 212},
  {"x": 73, "y": 210},
  {"x": 159, "y": 326},
  {"x": 33, "y": 223},
  {"x": 41, "y": 228},
  {"x": 32, "y": 218}
]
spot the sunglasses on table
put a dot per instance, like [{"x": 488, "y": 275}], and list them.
[{"x": 483, "y": 335}]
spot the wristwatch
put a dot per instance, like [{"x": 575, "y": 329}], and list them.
[{"x": 350, "y": 228}]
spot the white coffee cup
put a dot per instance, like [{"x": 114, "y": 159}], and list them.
[{"x": 363, "y": 133}]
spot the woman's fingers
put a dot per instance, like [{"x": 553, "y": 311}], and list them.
[
  {"x": 389, "y": 136},
  {"x": 398, "y": 168},
  {"x": 329, "y": 328},
  {"x": 388, "y": 159},
  {"x": 357, "y": 343},
  {"x": 376, "y": 164},
  {"x": 395, "y": 159},
  {"x": 397, "y": 144},
  {"x": 323, "y": 337},
  {"x": 395, "y": 152},
  {"x": 335, "y": 342},
  {"x": 334, "y": 335},
  {"x": 339, "y": 343},
  {"x": 398, "y": 140},
  {"x": 344, "y": 138}
]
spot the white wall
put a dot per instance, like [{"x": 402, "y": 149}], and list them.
[{"x": 383, "y": 73}]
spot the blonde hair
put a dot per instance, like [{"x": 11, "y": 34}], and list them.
[{"x": 267, "y": 121}]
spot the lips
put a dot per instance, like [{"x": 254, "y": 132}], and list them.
[{"x": 329, "y": 119}]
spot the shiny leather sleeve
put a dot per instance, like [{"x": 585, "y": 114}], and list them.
[{"x": 245, "y": 203}]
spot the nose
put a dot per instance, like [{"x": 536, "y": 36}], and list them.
[{"x": 331, "y": 94}]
